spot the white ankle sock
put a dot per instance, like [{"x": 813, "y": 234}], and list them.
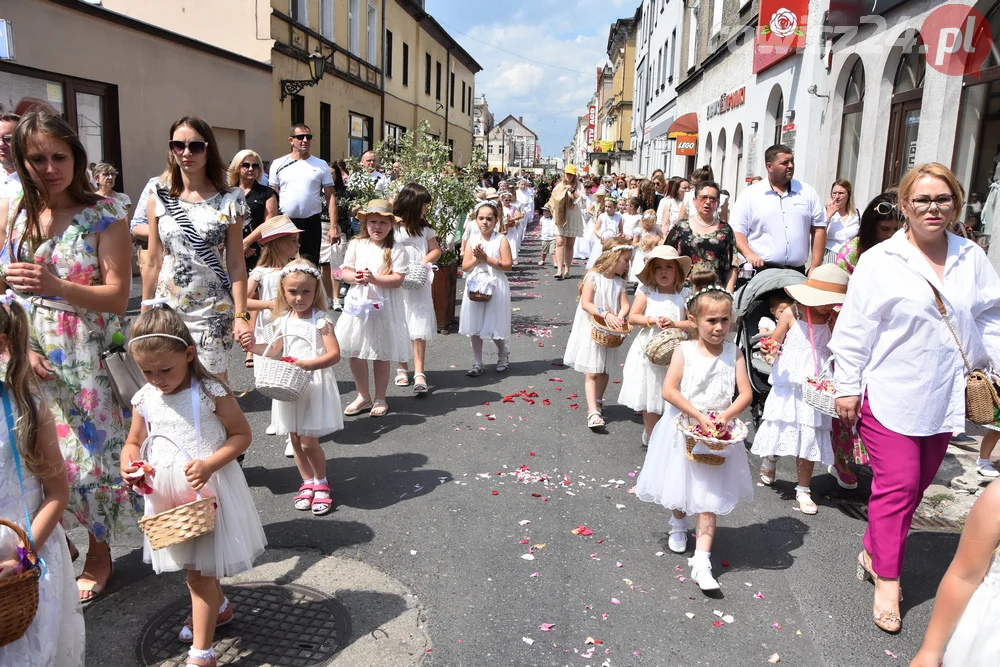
[
  {"x": 678, "y": 524},
  {"x": 207, "y": 654},
  {"x": 225, "y": 604},
  {"x": 320, "y": 481},
  {"x": 802, "y": 489},
  {"x": 702, "y": 558},
  {"x": 983, "y": 462}
]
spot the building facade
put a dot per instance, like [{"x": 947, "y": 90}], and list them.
[
  {"x": 615, "y": 148},
  {"x": 511, "y": 146},
  {"x": 482, "y": 123}
]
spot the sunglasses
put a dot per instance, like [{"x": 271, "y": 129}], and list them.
[
  {"x": 884, "y": 208},
  {"x": 302, "y": 137},
  {"x": 196, "y": 147},
  {"x": 250, "y": 165}
]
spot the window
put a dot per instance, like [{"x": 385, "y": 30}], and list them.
[
  {"x": 692, "y": 39},
  {"x": 324, "y": 131},
  {"x": 298, "y": 109},
  {"x": 326, "y": 18},
  {"x": 394, "y": 134},
  {"x": 387, "y": 65},
  {"x": 673, "y": 55},
  {"x": 850, "y": 127},
  {"x": 717, "y": 17},
  {"x": 372, "y": 33},
  {"x": 297, "y": 10},
  {"x": 437, "y": 81},
  {"x": 904, "y": 115},
  {"x": 354, "y": 26},
  {"x": 463, "y": 97},
  {"x": 406, "y": 64},
  {"x": 427, "y": 72},
  {"x": 360, "y": 134},
  {"x": 468, "y": 105},
  {"x": 451, "y": 90}
]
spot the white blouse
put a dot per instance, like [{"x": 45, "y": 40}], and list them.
[
  {"x": 840, "y": 230},
  {"x": 891, "y": 342}
]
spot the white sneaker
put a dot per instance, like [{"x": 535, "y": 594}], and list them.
[
  {"x": 289, "y": 452},
  {"x": 271, "y": 430},
  {"x": 678, "y": 541},
  {"x": 985, "y": 468},
  {"x": 645, "y": 438},
  {"x": 702, "y": 575},
  {"x": 338, "y": 305}
]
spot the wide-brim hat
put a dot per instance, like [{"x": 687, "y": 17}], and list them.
[
  {"x": 570, "y": 169},
  {"x": 668, "y": 253},
  {"x": 491, "y": 194},
  {"x": 378, "y": 207},
  {"x": 826, "y": 286},
  {"x": 276, "y": 227},
  {"x": 601, "y": 192}
]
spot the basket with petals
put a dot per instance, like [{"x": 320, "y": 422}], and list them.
[
  {"x": 819, "y": 393},
  {"x": 711, "y": 448},
  {"x": 480, "y": 284},
  {"x": 278, "y": 379},
  {"x": 604, "y": 335},
  {"x": 19, "y": 592}
]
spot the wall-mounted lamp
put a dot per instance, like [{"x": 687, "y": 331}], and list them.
[
  {"x": 814, "y": 90},
  {"x": 317, "y": 65}
]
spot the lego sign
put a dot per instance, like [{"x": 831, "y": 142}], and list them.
[
  {"x": 780, "y": 31},
  {"x": 687, "y": 144}
]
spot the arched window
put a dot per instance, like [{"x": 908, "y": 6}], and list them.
[
  {"x": 707, "y": 151},
  {"x": 779, "y": 118},
  {"x": 850, "y": 126},
  {"x": 904, "y": 117},
  {"x": 738, "y": 152},
  {"x": 774, "y": 118},
  {"x": 720, "y": 158}
]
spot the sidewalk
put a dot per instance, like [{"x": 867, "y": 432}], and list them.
[{"x": 957, "y": 484}]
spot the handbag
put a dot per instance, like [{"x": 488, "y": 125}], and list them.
[
  {"x": 981, "y": 397},
  {"x": 126, "y": 378}
]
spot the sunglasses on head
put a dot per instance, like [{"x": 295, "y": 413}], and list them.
[
  {"x": 302, "y": 137},
  {"x": 250, "y": 165},
  {"x": 196, "y": 147}
]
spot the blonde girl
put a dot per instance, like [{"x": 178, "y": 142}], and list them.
[
  {"x": 602, "y": 293},
  {"x": 645, "y": 237},
  {"x": 279, "y": 241},
  {"x": 300, "y": 315},
  {"x": 631, "y": 216}
]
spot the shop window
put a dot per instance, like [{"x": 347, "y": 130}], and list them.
[
  {"x": 298, "y": 109},
  {"x": 360, "y": 133},
  {"x": 850, "y": 126},
  {"x": 394, "y": 135},
  {"x": 324, "y": 131},
  {"x": 904, "y": 115}
]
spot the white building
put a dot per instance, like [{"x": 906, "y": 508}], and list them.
[
  {"x": 655, "y": 104},
  {"x": 511, "y": 146},
  {"x": 482, "y": 122}
]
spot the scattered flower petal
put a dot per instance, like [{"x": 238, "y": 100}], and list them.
[
  {"x": 759, "y": 596},
  {"x": 546, "y": 627},
  {"x": 527, "y": 557},
  {"x": 717, "y": 624},
  {"x": 689, "y": 615},
  {"x": 523, "y": 522},
  {"x": 774, "y": 659},
  {"x": 728, "y": 618},
  {"x": 615, "y": 601},
  {"x": 573, "y": 406},
  {"x": 891, "y": 654},
  {"x": 535, "y": 575}
]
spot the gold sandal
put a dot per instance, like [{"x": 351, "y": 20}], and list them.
[{"x": 885, "y": 619}]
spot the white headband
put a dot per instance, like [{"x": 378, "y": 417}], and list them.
[
  {"x": 301, "y": 268},
  {"x": 710, "y": 288},
  {"x": 619, "y": 247},
  {"x": 159, "y": 335},
  {"x": 154, "y": 303}
]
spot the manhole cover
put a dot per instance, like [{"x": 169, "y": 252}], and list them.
[
  {"x": 275, "y": 626},
  {"x": 859, "y": 511}
]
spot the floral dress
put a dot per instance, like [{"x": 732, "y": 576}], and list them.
[
  {"x": 89, "y": 422},
  {"x": 188, "y": 282},
  {"x": 715, "y": 250}
]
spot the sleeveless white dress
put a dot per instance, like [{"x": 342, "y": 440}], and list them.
[
  {"x": 582, "y": 353},
  {"x": 418, "y": 304},
  {"x": 267, "y": 278},
  {"x": 668, "y": 476},
  {"x": 642, "y": 380},
  {"x": 976, "y": 642},
  {"x": 487, "y": 319}
]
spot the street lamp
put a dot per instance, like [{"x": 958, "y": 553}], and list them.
[
  {"x": 317, "y": 65},
  {"x": 510, "y": 135}
]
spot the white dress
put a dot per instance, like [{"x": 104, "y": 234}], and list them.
[
  {"x": 267, "y": 278},
  {"x": 238, "y": 537},
  {"x": 317, "y": 412},
  {"x": 668, "y": 476},
  {"x": 56, "y": 636},
  {"x": 642, "y": 380},
  {"x": 487, "y": 319},
  {"x": 582, "y": 353},
  {"x": 418, "y": 303},
  {"x": 976, "y": 642},
  {"x": 586, "y": 242},
  {"x": 382, "y": 335},
  {"x": 513, "y": 233},
  {"x": 607, "y": 228},
  {"x": 792, "y": 427},
  {"x": 630, "y": 224}
]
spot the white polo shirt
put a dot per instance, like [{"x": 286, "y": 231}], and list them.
[
  {"x": 10, "y": 186},
  {"x": 299, "y": 184},
  {"x": 777, "y": 226}
]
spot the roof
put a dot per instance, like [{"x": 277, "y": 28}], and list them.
[
  {"x": 510, "y": 117},
  {"x": 434, "y": 29}
]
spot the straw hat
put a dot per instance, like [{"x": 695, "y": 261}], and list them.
[
  {"x": 570, "y": 169},
  {"x": 826, "y": 286},
  {"x": 491, "y": 194},
  {"x": 378, "y": 207},
  {"x": 663, "y": 252},
  {"x": 601, "y": 192},
  {"x": 278, "y": 226}
]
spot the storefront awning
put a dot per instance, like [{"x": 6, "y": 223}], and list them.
[{"x": 686, "y": 124}]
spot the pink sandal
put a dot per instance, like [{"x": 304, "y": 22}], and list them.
[
  {"x": 304, "y": 500},
  {"x": 326, "y": 505}
]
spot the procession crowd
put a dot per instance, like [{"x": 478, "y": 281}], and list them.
[{"x": 868, "y": 325}]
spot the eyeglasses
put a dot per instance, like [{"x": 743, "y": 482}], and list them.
[
  {"x": 7, "y": 139},
  {"x": 923, "y": 204},
  {"x": 250, "y": 165},
  {"x": 196, "y": 147},
  {"x": 708, "y": 198},
  {"x": 302, "y": 137}
]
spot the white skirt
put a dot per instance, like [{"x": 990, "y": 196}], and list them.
[
  {"x": 487, "y": 319},
  {"x": 421, "y": 321},
  {"x": 638, "y": 264},
  {"x": 316, "y": 413},
  {"x": 238, "y": 537},
  {"x": 513, "y": 239},
  {"x": 382, "y": 336},
  {"x": 671, "y": 479},
  {"x": 976, "y": 642},
  {"x": 584, "y": 246},
  {"x": 792, "y": 427},
  {"x": 586, "y": 356},
  {"x": 328, "y": 253},
  {"x": 642, "y": 380}
]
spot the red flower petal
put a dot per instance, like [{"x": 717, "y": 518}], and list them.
[
  {"x": 573, "y": 406},
  {"x": 495, "y": 493},
  {"x": 531, "y": 453},
  {"x": 717, "y": 624},
  {"x": 546, "y": 401}
]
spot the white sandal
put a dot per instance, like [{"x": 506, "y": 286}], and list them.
[
  {"x": 595, "y": 420},
  {"x": 767, "y": 471},
  {"x": 806, "y": 503}
]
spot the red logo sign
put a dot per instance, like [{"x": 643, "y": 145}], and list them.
[
  {"x": 958, "y": 40},
  {"x": 687, "y": 144},
  {"x": 780, "y": 31}
]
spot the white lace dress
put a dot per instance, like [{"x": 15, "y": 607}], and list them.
[
  {"x": 382, "y": 335},
  {"x": 976, "y": 642},
  {"x": 418, "y": 303},
  {"x": 668, "y": 476},
  {"x": 238, "y": 537},
  {"x": 267, "y": 278},
  {"x": 582, "y": 353},
  {"x": 642, "y": 380},
  {"x": 56, "y": 636},
  {"x": 487, "y": 319},
  {"x": 792, "y": 427}
]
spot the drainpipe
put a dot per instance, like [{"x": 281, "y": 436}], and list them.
[
  {"x": 447, "y": 97},
  {"x": 382, "y": 100}
]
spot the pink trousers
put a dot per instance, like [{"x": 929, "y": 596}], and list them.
[{"x": 902, "y": 468}]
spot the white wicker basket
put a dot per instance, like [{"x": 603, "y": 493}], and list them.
[
  {"x": 280, "y": 380},
  {"x": 820, "y": 399},
  {"x": 416, "y": 276}
]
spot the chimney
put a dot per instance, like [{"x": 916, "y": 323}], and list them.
[{"x": 520, "y": 119}]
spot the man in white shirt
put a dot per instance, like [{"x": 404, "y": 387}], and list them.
[
  {"x": 302, "y": 182},
  {"x": 370, "y": 163},
  {"x": 773, "y": 218},
  {"x": 11, "y": 184}
]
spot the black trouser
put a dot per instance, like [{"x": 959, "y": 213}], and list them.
[
  {"x": 309, "y": 239},
  {"x": 800, "y": 269}
]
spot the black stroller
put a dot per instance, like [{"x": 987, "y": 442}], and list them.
[{"x": 751, "y": 304}]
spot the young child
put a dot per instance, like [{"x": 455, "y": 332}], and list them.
[
  {"x": 56, "y": 634},
  {"x": 792, "y": 427},
  {"x": 702, "y": 377},
  {"x": 658, "y": 305},
  {"x": 963, "y": 627},
  {"x": 548, "y": 232},
  {"x": 631, "y": 216},
  {"x": 206, "y": 431},
  {"x": 300, "y": 314},
  {"x": 512, "y": 222},
  {"x": 645, "y": 237},
  {"x": 487, "y": 263},
  {"x": 602, "y": 292},
  {"x": 608, "y": 225},
  {"x": 377, "y": 332},
  {"x": 778, "y": 303}
]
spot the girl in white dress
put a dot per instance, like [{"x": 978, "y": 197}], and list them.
[
  {"x": 702, "y": 377},
  {"x": 279, "y": 241},
  {"x": 645, "y": 237},
  {"x": 658, "y": 306},
  {"x": 201, "y": 432},
  {"x": 374, "y": 327},
  {"x": 486, "y": 263},
  {"x": 631, "y": 217},
  {"x": 792, "y": 427},
  {"x": 55, "y": 637},
  {"x": 419, "y": 241},
  {"x": 967, "y": 612},
  {"x": 511, "y": 223},
  {"x": 300, "y": 314},
  {"x": 525, "y": 198},
  {"x": 607, "y": 225},
  {"x": 602, "y": 292},
  {"x": 592, "y": 206}
]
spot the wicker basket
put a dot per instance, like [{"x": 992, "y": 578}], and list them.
[
  {"x": 18, "y": 596},
  {"x": 480, "y": 297},
  {"x": 660, "y": 347},
  {"x": 980, "y": 398},
  {"x": 416, "y": 276},
  {"x": 280, "y": 380},
  {"x": 605, "y": 336},
  {"x": 685, "y": 424},
  {"x": 820, "y": 399}
]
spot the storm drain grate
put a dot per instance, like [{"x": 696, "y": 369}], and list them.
[
  {"x": 859, "y": 511},
  {"x": 274, "y": 626}
]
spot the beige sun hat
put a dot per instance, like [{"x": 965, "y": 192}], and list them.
[
  {"x": 378, "y": 207},
  {"x": 826, "y": 286},
  {"x": 668, "y": 253},
  {"x": 276, "y": 227},
  {"x": 601, "y": 192}
]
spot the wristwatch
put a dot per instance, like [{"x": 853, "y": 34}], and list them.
[{"x": 243, "y": 316}]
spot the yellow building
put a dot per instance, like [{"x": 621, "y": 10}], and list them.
[{"x": 615, "y": 147}]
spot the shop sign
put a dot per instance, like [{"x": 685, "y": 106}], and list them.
[
  {"x": 687, "y": 144},
  {"x": 726, "y": 103},
  {"x": 591, "y": 124},
  {"x": 788, "y": 135},
  {"x": 780, "y": 31}
]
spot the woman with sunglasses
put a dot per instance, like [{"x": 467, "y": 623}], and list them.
[
  {"x": 246, "y": 171},
  {"x": 879, "y": 221},
  {"x": 196, "y": 245},
  {"x": 67, "y": 255}
]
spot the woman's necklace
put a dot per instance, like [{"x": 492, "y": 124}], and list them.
[{"x": 704, "y": 225}]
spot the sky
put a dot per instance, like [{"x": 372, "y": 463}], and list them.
[{"x": 547, "y": 70}]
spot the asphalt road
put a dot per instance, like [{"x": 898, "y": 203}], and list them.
[{"x": 430, "y": 495}]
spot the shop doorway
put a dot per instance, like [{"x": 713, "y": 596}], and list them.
[{"x": 904, "y": 115}]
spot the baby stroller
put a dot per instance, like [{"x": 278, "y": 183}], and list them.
[{"x": 751, "y": 304}]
